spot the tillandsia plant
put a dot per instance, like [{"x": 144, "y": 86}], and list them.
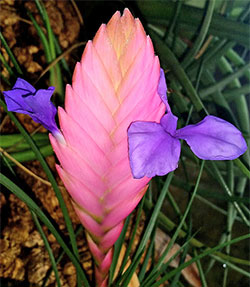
[{"x": 114, "y": 134}]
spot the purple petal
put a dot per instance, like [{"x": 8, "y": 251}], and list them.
[
  {"x": 152, "y": 151},
  {"x": 24, "y": 98},
  {"x": 15, "y": 100},
  {"x": 169, "y": 123},
  {"x": 43, "y": 111},
  {"x": 162, "y": 87},
  {"x": 24, "y": 85},
  {"x": 214, "y": 139}
]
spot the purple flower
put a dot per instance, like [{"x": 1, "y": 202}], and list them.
[
  {"x": 154, "y": 148},
  {"x": 24, "y": 98}
]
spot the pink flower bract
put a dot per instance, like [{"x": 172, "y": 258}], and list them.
[{"x": 114, "y": 85}]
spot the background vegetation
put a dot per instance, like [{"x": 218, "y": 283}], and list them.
[{"x": 203, "y": 47}]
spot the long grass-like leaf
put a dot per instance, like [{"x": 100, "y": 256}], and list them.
[
  {"x": 232, "y": 266},
  {"x": 228, "y": 191},
  {"x": 35, "y": 208},
  {"x": 168, "y": 225},
  {"x": 11, "y": 55},
  {"x": 42, "y": 37},
  {"x": 58, "y": 82},
  {"x": 129, "y": 272},
  {"x": 50, "y": 177},
  {"x": 16, "y": 141},
  {"x": 147, "y": 282},
  {"x": 6, "y": 65},
  {"x": 132, "y": 238},
  {"x": 222, "y": 83},
  {"x": 147, "y": 256},
  {"x": 117, "y": 249},
  {"x": 47, "y": 246},
  {"x": 200, "y": 256},
  {"x": 201, "y": 36},
  {"x": 201, "y": 272},
  {"x": 170, "y": 29},
  {"x": 28, "y": 155},
  {"x": 172, "y": 63},
  {"x": 161, "y": 12},
  {"x": 174, "y": 237},
  {"x": 58, "y": 259}
]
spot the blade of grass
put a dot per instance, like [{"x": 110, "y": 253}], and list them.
[
  {"x": 217, "y": 96},
  {"x": 6, "y": 65},
  {"x": 228, "y": 191},
  {"x": 167, "y": 225},
  {"x": 214, "y": 52},
  {"x": 129, "y": 272},
  {"x": 175, "y": 207},
  {"x": 11, "y": 55},
  {"x": 59, "y": 258},
  {"x": 201, "y": 272},
  {"x": 200, "y": 256},
  {"x": 241, "y": 103},
  {"x": 219, "y": 49},
  {"x": 171, "y": 29},
  {"x": 117, "y": 249},
  {"x": 205, "y": 92},
  {"x": 59, "y": 52},
  {"x": 131, "y": 241},
  {"x": 58, "y": 82},
  {"x": 232, "y": 94},
  {"x": 166, "y": 265},
  {"x": 232, "y": 266},
  {"x": 28, "y": 155},
  {"x": 42, "y": 37},
  {"x": 147, "y": 257},
  {"x": 4, "y": 78},
  {"x": 50, "y": 176},
  {"x": 203, "y": 30},
  {"x": 47, "y": 246},
  {"x": 215, "y": 207},
  {"x": 16, "y": 140},
  {"x": 226, "y": 235},
  {"x": 35, "y": 208},
  {"x": 8, "y": 165},
  {"x": 59, "y": 58},
  {"x": 178, "y": 98},
  {"x": 242, "y": 167},
  {"x": 161, "y": 12},
  {"x": 17, "y": 163},
  {"x": 176, "y": 233},
  {"x": 172, "y": 63}
]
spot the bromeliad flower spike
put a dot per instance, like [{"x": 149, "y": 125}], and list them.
[
  {"x": 114, "y": 84},
  {"x": 117, "y": 102}
]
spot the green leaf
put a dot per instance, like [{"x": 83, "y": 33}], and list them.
[
  {"x": 200, "y": 256},
  {"x": 117, "y": 249},
  {"x": 161, "y": 12},
  {"x": 11, "y": 55},
  {"x": 129, "y": 272},
  {"x": 39, "y": 213},
  {"x": 203, "y": 30},
  {"x": 47, "y": 246},
  {"x": 171, "y": 62},
  {"x": 50, "y": 177},
  {"x": 16, "y": 142}
]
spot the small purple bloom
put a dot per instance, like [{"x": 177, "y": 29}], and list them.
[
  {"x": 24, "y": 98},
  {"x": 154, "y": 148}
]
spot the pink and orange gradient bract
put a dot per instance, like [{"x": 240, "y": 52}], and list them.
[{"x": 114, "y": 84}]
